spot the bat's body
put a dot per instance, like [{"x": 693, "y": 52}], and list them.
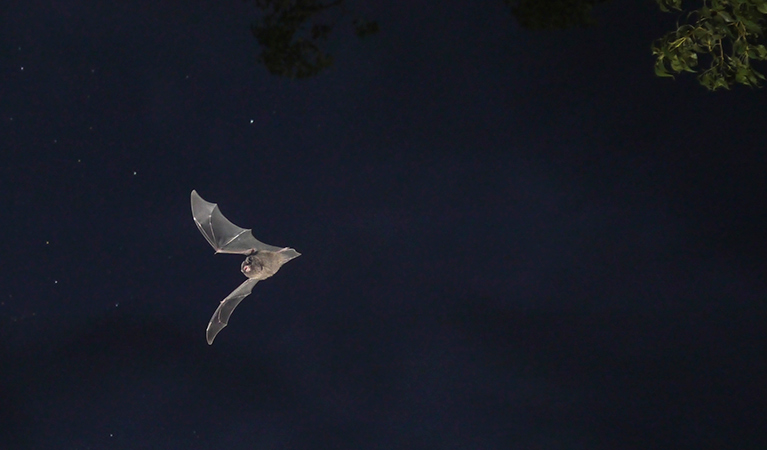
[{"x": 262, "y": 262}]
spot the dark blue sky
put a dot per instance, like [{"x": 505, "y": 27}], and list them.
[{"x": 509, "y": 239}]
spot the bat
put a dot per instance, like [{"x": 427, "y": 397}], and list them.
[{"x": 262, "y": 260}]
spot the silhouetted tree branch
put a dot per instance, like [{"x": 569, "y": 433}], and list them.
[
  {"x": 553, "y": 14},
  {"x": 727, "y": 34},
  {"x": 291, "y": 37}
]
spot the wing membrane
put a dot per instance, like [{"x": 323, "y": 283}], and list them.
[
  {"x": 221, "y": 234},
  {"x": 224, "y": 311}
]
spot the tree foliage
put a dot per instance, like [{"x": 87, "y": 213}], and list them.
[
  {"x": 553, "y": 14},
  {"x": 292, "y": 34},
  {"x": 719, "y": 40},
  {"x": 724, "y": 35}
]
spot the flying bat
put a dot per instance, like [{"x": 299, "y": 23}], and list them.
[{"x": 262, "y": 260}]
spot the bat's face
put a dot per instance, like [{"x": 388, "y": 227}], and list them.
[{"x": 252, "y": 266}]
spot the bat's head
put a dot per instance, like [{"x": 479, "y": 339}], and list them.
[{"x": 252, "y": 266}]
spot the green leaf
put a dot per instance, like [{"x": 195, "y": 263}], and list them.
[
  {"x": 676, "y": 65},
  {"x": 741, "y": 76},
  {"x": 699, "y": 33},
  {"x": 762, "y": 7},
  {"x": 707, "y": 80},
  {"x": 666, "y": 5},
  {"x": 738, "y": 46},
  {"x": 660, "y": 70},
  {"x": 690, "y": 60},
  {"x": 724, "y": 15},
  {"x": 721, "y": 83},
  {"x": 751, "y": 26}
]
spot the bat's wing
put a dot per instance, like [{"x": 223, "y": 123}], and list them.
[
  {"x": 221, "y": 317},
  {"x": 223, "y": 235}
]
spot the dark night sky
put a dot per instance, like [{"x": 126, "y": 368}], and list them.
[{"x": 509, "y": 239}]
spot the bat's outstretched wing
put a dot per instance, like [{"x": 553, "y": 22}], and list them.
[
  {"x": 223, "y": 235},
  {"x": 221, "y": 317}
]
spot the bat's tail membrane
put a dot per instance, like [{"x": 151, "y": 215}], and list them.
[{"x": 286, "y": 254}]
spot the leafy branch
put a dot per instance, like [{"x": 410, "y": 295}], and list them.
[{"x": 728, "y": 34}]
